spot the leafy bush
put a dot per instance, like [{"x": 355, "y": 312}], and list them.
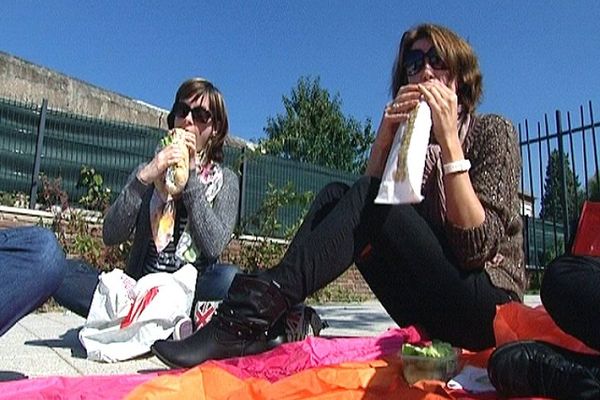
[
  {"x": 264, "y": 252},
  {"x": 14, "y": 199},
  {"x": 98, "y": 197},
  {"x": 534, "y": 281},
  {"x": 80, "y": 231},
  {"x": 51, "y": 193}
]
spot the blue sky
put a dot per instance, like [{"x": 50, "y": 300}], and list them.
[{"x": 536, "y": 56}]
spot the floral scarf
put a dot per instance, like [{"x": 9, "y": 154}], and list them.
[{"x": 162, "y": 212}]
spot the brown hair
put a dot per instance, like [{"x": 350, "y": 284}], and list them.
[
  {"x": 198, "y": 88},
  {"x": 457, "y": 54}
]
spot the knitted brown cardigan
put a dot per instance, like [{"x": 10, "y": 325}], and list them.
[{"x": 496, "y": 245}]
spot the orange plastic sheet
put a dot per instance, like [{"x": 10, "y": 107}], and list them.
[
  {"x": 515, "y": 321},
  {"x": 379, "y": 379}
]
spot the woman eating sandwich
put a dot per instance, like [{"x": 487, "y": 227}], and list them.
[{"x": 181, "y": 206}]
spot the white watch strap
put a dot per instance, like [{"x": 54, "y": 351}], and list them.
[{"x": 457, "y": 166}]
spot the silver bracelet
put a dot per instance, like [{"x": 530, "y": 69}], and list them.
[{"x": 457, "y": 166}]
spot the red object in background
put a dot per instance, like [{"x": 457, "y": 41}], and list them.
[{"x": 587, "y": 238}]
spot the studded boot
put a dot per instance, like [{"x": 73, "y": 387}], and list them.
[
  {"x": 240, "y": 326},
  {"x": 531, "y": 368}
]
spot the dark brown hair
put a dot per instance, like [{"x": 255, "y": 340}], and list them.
[
  {"x": 457, "y": 54},
  {"x": 199, "y": 88}
]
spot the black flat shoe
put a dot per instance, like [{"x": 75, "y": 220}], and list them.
[{"x": 530, "y": 368}]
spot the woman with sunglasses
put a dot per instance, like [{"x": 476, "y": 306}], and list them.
[
  {"x": 444, "y": 264},
  {"x": 202, "y": 218}
]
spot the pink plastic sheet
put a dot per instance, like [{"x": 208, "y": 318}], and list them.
[
  {"x": 283, "y": 361},
  {"x": 84, "y": 387}
]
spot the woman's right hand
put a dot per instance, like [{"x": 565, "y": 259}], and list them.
[
  {"x": 395, "y": 112},
  {"x": 156, "y": 168}
]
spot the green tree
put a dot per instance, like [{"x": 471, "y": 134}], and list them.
[
  {"x": 594, "y": 187},
  {"x": 313, "y": 129},
  {"x": 552, "y": 208}
]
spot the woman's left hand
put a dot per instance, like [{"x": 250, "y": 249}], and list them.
[{"x": 443, "y": 102}]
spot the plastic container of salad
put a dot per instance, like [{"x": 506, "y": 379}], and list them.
[{"x": 437, "y": 361}]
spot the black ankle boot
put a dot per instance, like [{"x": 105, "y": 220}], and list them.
[
  {"x": 530, "y": 368},
  {"x": 240, "y": 326}
]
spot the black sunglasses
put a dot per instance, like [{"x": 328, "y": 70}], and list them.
[
  {"x": 200, "y": 114},
  {"x": 414, "y": 61}
]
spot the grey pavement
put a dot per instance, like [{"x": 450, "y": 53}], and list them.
[{"x": 45, "y": 344}]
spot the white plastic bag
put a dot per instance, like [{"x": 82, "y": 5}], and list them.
[
  {"x": 403, "y": 174},
  {"x": 126, "y": 317}
]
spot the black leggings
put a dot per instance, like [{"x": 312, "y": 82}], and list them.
[
  {"x": 571, "y": 295},
  {"x": 402, "y": 260}
]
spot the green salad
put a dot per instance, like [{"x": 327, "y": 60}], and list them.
[
  {"x": 167, "y": 140},
  {"x": 437, "y": 361},
  {"x": 437, "y": 349}
]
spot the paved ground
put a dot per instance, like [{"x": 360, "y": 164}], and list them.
[{"x": 46, "y": 344}]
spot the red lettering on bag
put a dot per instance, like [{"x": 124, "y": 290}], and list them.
[{"x": 138, "y": 307}]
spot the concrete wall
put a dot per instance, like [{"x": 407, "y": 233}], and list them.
[
  {"x": 27, "y": 82},
  {"x": 24, "y": 81}
]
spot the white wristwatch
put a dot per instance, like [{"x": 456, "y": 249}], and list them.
[{"x": 457, "y": 166}]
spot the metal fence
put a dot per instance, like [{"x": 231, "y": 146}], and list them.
[
  {"x": 560, "y": 171},
  {"x": 65, "y": 142},
  {"x": 61, "y": 143},
  {"x": 36, "y": 139}
]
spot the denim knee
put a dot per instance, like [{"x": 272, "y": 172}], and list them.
[
  {"x": 47, "y": 257},
  {"x": 214, "y": 281}
]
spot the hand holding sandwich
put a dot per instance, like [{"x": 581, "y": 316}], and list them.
[
  {"x": 169, "y": 169},
  {"x": 395, "y": 113}
]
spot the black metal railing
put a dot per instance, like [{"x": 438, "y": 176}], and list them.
[{"x": 554, "y": 161}]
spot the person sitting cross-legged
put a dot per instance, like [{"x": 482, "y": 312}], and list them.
[{"x": 169, "y": 232}]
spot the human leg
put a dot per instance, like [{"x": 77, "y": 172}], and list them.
[
  {"x": 214, "y": 281},
  {"x": 526, "y": 368},
  {"x": 570, "y": 295},
  {"x": 77, "y": 289},
  {"x": 325, "y": 201},
  {"x": 413, "y": 274},
  {"x": 255, "y": 302},
  {"x": 329, "y": 244},
  {"x": 31, "y": 267}
]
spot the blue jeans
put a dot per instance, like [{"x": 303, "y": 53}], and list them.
[
  {"x": 31, "y": 269},
  {"x": 77, "y": 289}
]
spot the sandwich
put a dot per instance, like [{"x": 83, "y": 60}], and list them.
[{"x": 176, "y": 175}]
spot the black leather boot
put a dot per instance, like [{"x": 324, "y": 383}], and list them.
[
  {"x": 530, "y": 368},
  {"x": 240, "y": 326}
]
